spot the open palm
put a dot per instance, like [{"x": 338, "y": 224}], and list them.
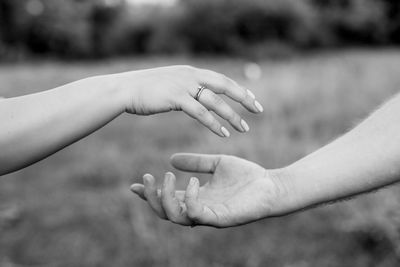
[{"x": 238, "y": 192}]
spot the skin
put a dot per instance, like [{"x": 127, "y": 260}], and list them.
[
  {"x": 238, "y": 192},
  {"x": 231, "y": 197},
  {"x": 38, "y": 125}
]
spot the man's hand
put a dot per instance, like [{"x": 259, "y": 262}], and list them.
[{"x": 238, "y": 192}]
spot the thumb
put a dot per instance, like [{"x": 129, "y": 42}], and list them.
[
  {"x": 194, "y": 208},
  {"x": 197, "y": 212}
]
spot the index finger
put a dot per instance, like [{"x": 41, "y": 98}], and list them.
[
  {"x": 195, "y": 162},
  {"x": 196, "y": 211}
]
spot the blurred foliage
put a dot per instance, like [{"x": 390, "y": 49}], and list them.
[{"x": 89, "y": 28}]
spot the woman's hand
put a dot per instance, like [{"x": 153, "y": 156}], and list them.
[
  {"x": 174, "y": 88},
  {"x": 238, "y": 192}
]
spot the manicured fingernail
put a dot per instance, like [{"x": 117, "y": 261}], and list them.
[
  {"x": 245, "y": 126},
  {"x": 225, "y": 132},
  {"x": 258, "y": 106},
  {"x": 250, "y": 93}
]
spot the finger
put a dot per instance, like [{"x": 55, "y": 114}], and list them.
[
  {"x": 195, "y": 162},
  {"x": 174, "y": 211},
  {"x": 138, "y": 189},
  {"x": 197, "y": 111},
  {"x": 221, "y": 84},
  {"x": 194, "y": 208},
  {"x": 150, "y": 193},
  {"x": 196, "y": 211},
  {"x": 215, "y": 103}
]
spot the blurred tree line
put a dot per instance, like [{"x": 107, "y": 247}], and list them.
[{"x": 102, "y": 28}]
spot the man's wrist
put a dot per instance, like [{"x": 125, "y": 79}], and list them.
[{"x": 289, "y": 196}]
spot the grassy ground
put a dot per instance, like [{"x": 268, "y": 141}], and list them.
[{"x": 75, "y": 208}]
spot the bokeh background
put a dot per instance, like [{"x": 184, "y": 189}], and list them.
[{"x": 319, "y": 67}]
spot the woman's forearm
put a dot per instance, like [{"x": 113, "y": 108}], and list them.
[
  {"x": 33, "y": 127},
  {"x": 364, "y": 159},
  {"x": 37, "y": 125}
]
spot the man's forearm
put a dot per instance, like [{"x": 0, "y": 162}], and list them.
[
  {"x": 35, "y": 126},
  {"x": 364, "y": 159}
]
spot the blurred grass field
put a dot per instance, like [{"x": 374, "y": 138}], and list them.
[{"x": 75, "y": 208}]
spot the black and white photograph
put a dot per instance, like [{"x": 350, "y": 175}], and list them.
[{"x": 199, "y": 133}]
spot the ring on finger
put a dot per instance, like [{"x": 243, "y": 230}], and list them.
[{"x": 200, "y": 90}]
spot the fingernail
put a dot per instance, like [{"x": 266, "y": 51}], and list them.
[
  {"x": 225, "y": 132},
  {"x": 245, "y": 125},
  {"x": 250, "y": 93},
  {"x": 258, "y": 106}
]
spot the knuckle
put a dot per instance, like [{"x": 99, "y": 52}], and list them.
[
  {"x": 215, "y": 124},
  {"x": 247, "y": 98},
  {"x": 227, "y": 82},
  {"x": 201, "y": 111},
  {"x": 217, "y": 100},
  {"x": 228, "y": 113},
  {"x": 234, "y": 117}
]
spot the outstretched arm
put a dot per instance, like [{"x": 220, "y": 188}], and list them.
[
  {"x": 364, "y": 159},
  {"x": 34, "y": 126},
  {"x": 37, "y": 125}
]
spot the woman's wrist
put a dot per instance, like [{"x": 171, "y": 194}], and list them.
[{"x": 111, "y": 91}]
